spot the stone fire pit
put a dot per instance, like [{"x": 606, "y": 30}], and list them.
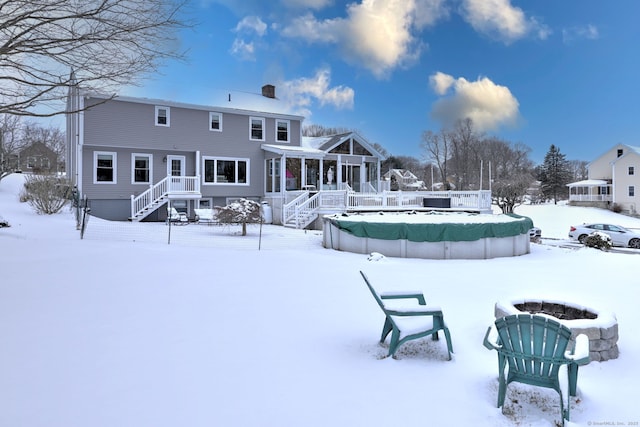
[{"x": 601, "y": 327}]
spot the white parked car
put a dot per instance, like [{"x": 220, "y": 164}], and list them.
[{"x": 620, "y": 236}]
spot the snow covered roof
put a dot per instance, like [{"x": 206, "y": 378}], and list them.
[
  {"x": 588, "y": 183},
  {"x": 317, "y": 146},
  {"x": 220, "y": 101},
  {"x": 315, "y": 141},
  {"x": 326, "y": 143},
  {"x": 293, "y": 150}
]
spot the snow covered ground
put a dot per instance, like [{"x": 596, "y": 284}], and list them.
[{"x": 214, "y": 329}]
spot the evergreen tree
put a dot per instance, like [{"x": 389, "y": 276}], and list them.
[{"x": 554, "y": 174}]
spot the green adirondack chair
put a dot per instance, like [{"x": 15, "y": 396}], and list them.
[
  {"x": 407, "y": 324},
  {"x": 535, "y": 349}
]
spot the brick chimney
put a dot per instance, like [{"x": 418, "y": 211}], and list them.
[{"x": 269, "y": 91}]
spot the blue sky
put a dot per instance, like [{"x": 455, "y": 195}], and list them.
[{"x": 538, "y": 73}]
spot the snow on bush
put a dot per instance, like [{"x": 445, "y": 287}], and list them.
[{"x": 598, "y": 240}]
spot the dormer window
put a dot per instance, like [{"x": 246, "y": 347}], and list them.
[{"x": 163, "y": 116}]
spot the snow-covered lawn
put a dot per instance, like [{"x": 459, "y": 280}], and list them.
[{"x": 123, "y": 329}]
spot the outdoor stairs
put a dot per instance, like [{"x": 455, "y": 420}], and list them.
[
  {"x": 176, "y": 187},
  {"x": 303, "y": 219},
  {"x": 145, "y": 211}
]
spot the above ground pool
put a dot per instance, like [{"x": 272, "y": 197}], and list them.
[{"x": 432, "y": 235}]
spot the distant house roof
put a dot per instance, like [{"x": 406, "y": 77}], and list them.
[
  {"x": 633, "y": 148},
  {"x": 403, "y": 173}
]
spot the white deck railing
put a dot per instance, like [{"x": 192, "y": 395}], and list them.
[
  {"x": 476, "y": 200},
  {"x": 300, "y": 208},
  {"x": 183, "y": 184},
  {"x": 590, "y": 198}
]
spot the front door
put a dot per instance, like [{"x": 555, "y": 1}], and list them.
[{"x": 176, "y": 170}]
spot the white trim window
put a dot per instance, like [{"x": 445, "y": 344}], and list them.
[
  {"x": 632, "y": 170},
  {"x": 141, "y": 168},
  {"x": 282, "y": 130},
  {"x": 632, "y": 191},
  {"x": 215, "y": 121},
  {"x": 105, "y": 167},
  {"x": 226, "y": 171},
  {"x": 256, "y": 128},
  {"x": 163, "y": 116},
  {"x": 31, "y": 162}
]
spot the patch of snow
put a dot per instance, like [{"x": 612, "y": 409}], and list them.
[{"x": 123, "y": 329}]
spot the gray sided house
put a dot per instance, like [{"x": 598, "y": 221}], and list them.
[
  {"x": 36, "y": 158},
  {"x": 132, "y": 156}
]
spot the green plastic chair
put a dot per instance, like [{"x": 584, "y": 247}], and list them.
[
  {"x": 407, "y": 324},
  {"x": 535, "y": 349}
]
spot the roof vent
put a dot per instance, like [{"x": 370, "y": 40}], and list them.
[{"x": 269, "y": 91}]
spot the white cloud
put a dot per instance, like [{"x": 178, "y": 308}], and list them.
[
  {"x": 500, "y": 20},
  {"x": 250, "y": 24},
  {"x": 376, "y": 34},
  {"x": 429, "y": 12},
  {"x": 308, "y": 28},
  {"x": 489, "y": 105},
  {"x": 379, "y": 35},
  {"x": 251, "y": 27},
  {"x": 589, "y": 32},
  {"x": 242, "y": 50},
  {"x": 441, "y": 82},
  {"x": 301, "y": 93}
]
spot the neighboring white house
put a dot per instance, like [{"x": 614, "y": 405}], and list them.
[
  {"x": 612, "y": 178},
  {"x": 405, "y": 180}
]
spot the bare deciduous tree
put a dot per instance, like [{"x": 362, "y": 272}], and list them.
[
  {"x": 511, "y": 172},
  {"x": 437, "y": 149},
  {"x": 320, "y": 130},
  {"x": 52, "y": 137},
  {"x": 10, "y": 127},
  {"x": 107, "y": 43},
  {"x": 465, "y": 161},
  {"x": 579, "y": 169},
  {"x": 460, "y": 152},
  {"x": 15, "y": 134},
  {"x": 510, "y": 192}
]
